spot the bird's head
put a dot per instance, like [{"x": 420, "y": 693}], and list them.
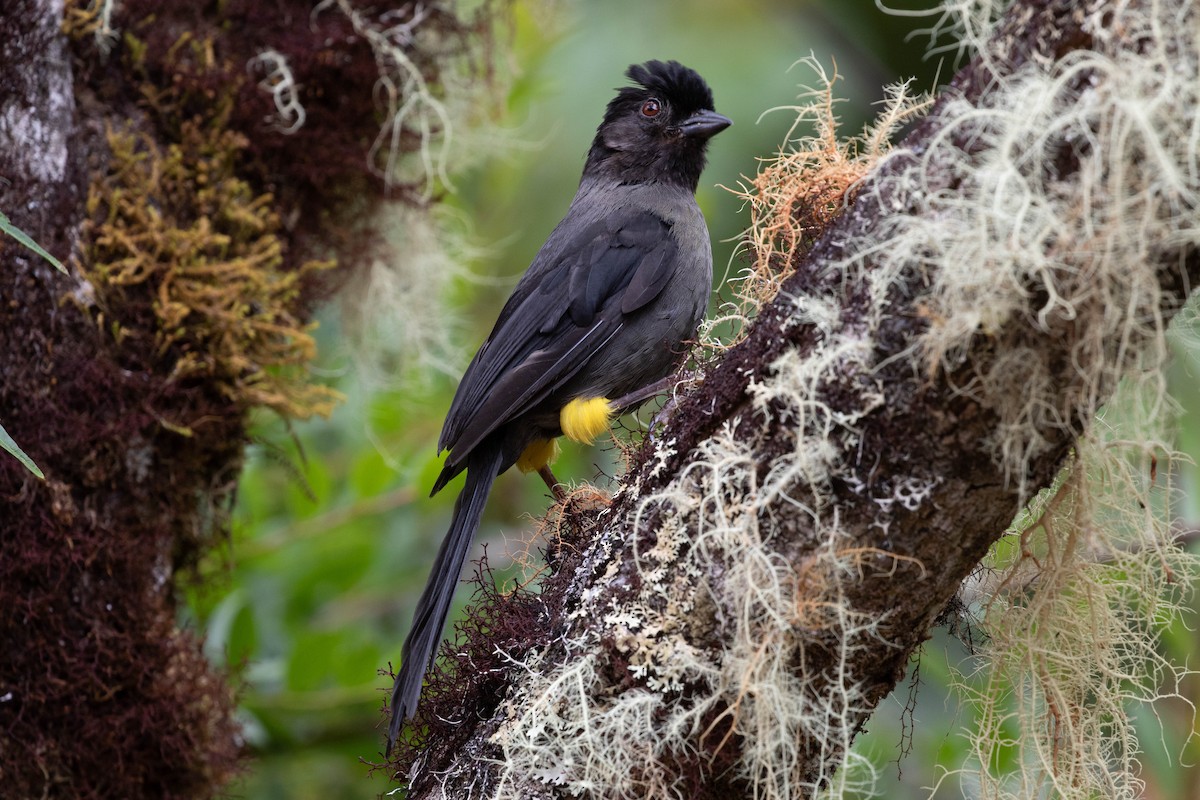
[{"x": 657, "y": 131}]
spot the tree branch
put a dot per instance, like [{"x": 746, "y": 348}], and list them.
[{"x": 776, "y": 555}]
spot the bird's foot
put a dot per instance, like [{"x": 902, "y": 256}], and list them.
[
  {"x": 552, "y": 483},
  {"x": 639, "y": 396},
  {"x": 664, "y": 413}
]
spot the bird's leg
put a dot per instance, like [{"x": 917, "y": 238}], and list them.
[
  {"x": 661, "y": 417},
  {"x": 643, "y": 394},
  {"x": 556, "y": 488},
  {"x": 646, "y": 392}
]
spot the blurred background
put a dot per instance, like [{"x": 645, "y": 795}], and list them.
[{"x": 333, "y": 531}]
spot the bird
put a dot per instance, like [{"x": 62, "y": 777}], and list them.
[{"x": 594, "y": 327}]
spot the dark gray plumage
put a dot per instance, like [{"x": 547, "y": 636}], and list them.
[{"x": 602, "y": 312}]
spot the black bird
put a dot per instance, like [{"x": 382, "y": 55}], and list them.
[{"x": 595, "y": 322}]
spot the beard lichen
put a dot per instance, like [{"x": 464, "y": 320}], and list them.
[
  {"x": 1067, "y": 180},
  {"x": 1078, "y": 178},
  {"x": 1077, "y": 599}
]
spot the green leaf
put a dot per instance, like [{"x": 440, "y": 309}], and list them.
[
  {"x": 23, "y": 238},
  {"x": 8, "y": 444}
]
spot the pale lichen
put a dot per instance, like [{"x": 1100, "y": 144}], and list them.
[{"x": 1076, "y": 173}]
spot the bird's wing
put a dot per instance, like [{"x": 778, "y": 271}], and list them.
[{"x": 560, "y": 315}]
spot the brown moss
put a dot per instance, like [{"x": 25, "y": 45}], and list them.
[
  {"x": 177, "y": 59},
  {"x": 471, "y": 673},
  {"x": 794, "y": 197}
]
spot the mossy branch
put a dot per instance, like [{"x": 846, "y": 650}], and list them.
[{"x": 778, "y": 552}]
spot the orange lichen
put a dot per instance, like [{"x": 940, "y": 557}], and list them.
[{"x": 797, "y": 193}]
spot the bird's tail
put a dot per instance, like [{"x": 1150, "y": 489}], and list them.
[{"x": 434, "y": 605}]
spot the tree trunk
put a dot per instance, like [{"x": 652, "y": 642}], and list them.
[
  {"x": 103, "y": 696},
  {"x": 191, "y": 162}
]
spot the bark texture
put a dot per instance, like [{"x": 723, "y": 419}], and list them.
[
  {"x": 101, "y": 692},
  {"x": 166, "y": 152}
]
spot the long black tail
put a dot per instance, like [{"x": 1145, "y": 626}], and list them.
[{"x": 434, "y": 605}]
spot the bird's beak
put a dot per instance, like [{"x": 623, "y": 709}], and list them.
[{"x": 704, "y": 124}]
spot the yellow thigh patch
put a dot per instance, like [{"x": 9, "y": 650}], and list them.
[
  {"x": 585, "y": 418},
  {"x": 538, "y": 454}
]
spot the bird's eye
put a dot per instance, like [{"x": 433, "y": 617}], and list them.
[{"x": 650, "y": 108}]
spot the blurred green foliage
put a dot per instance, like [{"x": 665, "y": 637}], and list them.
[{"x": 333, "y": 532}]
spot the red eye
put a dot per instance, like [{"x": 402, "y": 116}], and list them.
[{"x": 650, "y": 108}]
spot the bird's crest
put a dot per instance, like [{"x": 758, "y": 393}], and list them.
[{"x": 682, "y": 87}]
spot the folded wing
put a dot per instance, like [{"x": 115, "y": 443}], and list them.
[{"x": 558, "y": 318}]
